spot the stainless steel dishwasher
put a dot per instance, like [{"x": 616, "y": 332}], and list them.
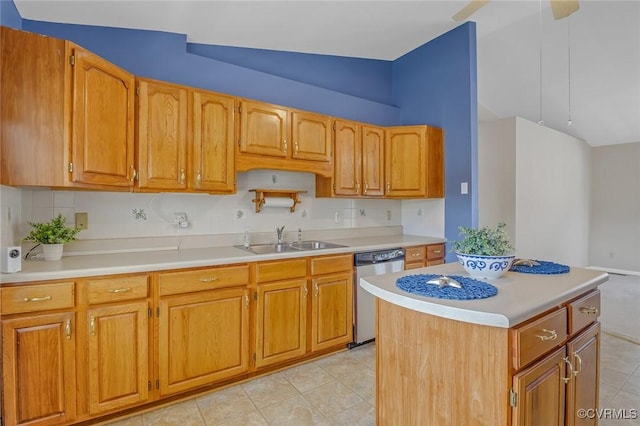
[{"x": 369, "y": 263}]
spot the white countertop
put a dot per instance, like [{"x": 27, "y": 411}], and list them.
[
  {"x": 520, "y": 296},
  {"x": 146, "y": 261}
]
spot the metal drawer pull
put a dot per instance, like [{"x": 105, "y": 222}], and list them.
[
  {"x": 437, "y": 251},
  {"x": 209, "y": 279},
  {"x": 566, "y": 379},
  {"x": 92, "y": 326},
  {"x": 37, "y": 299},
  {"x": 578, "y": 365},
  {"x": 119, "y": 290},
  {"x": 415, "y": 254},
  {"x": 589, "y": 310},
  {"x": 552, "y": 335},
  {"x": 67, "y": 329}
]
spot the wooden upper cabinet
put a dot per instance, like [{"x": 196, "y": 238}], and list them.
[
  {"x": 347, "y": 169},
  {"x": 311, "y": 135},
  {"x": 414, "y": 162},
  {"x": 213, "y": 150},
  {"x": 162, "y": 135},
  {"x": 264, "y": 129},
  {"x": 372, "y": 161},
  {"x": 71, "y": 120}
]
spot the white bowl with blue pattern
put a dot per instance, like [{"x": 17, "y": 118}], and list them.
[{"x": 485, "y": 267}]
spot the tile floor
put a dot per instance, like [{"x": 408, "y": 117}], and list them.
[{"x": 340, "y": 390}]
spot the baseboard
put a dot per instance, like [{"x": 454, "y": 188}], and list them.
[
  {"x": 614, "y": 271},
  {"x": 621, "y": 336}
]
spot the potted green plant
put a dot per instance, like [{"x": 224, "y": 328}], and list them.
[
  {"x": 485, "y": 252},
  {"x": 52, "y": 236}
]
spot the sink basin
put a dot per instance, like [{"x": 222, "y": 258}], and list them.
[{"x": 288, "y": 247}]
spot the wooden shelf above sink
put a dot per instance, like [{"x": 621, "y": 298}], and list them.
[{"x": 262, "y": 194}]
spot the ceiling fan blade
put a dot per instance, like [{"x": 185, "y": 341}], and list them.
[
  {"x": 471, "y": 8},
  {"x": 563, "y": 8}
]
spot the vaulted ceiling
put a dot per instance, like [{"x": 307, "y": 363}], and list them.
[{"x": 600, "y": 42}]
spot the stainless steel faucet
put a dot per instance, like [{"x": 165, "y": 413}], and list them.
[{"x": 280, "y": 233}]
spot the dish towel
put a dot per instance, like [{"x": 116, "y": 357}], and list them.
[
  {"x": 544, "y": 268},
  {"x": 471, "y": 289}
]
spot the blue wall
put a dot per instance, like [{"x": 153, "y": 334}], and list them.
[
  {"x": 436, "y": 84},
  {"x": 9, "y": 15}
]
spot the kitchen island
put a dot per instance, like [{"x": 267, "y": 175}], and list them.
[{"x": 528, "y": 355}]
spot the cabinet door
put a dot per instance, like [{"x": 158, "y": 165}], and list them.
[
  {"x": 213, "y": 151},
  {"x": 103, "y": 115},
  {"x": 331, "y": 311},
  {"x": 540, "y": 392},
  {"x": 346, "y": 172},
  {"x": 312, "y": 136},
  {"x": 264, "y": 129},
  {"x": 118, "y": 342},
  {"x": 38, "y": 370},
  {"x": 281, "y": 321},
  {"x": 582, "y": 393},
  {"x": 372, "y": 161},
  {"x": 162, "y": 136},
  {"x": 405, "y": 161},
  {"x": 204, "y": 337}
]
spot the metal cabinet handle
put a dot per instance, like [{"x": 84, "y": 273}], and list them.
[
  {"x": 295, "y": 147},
  {"x": 551, "y": 336},
  {"x": 246, "y": 300},
  {"x": 67, "y": 329},
  {"x": 589, "y": 310},
  {"x": 182, "y": 176},
  {"x": 134, "y": 173},
  {"x": 566, "y": 379},
  {"x": 208, "y": 279},
  {"x": 415, "y": 254},
  {"x": 285, "y": 145},
  {"x": 37, "y": 299},
  {"x": 119, "y": 290},
  {"x": 92, "y": 326},
  {"x": 306, "y": 292},
  {"x": 437, "y": 251},
  {"x": 198, "y": 178},
  {"x": 388, "y": 186},
  {"x": 578, "y": 364},
  {"x": 357, "y": 186},
  {"x": 366, "y": 186},
  {"x": 316, "y": 290}
]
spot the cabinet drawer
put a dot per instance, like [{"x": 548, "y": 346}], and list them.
[
  {"x": 116, "y": 289},
  {"x": 538, "y": 337},
  {"x": 435, "y": 262},
  {"x": 40, "y": 297},
  {"x": 413, "y": 265},
  {"x": 435, "y": 251},
  {"x": 584, "y": 311},
  {"x": 280, "y": 270},
  {"x": 202, "y": 279},
  {"x": 413, "y": 254},
  {"x": 331, "y": 264}
]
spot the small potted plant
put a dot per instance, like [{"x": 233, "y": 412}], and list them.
[
  {"x": 52, "y": 236},
  {"x": 485, "y": 252}
]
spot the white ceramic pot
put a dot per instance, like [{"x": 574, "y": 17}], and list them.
[
  {"x": 52, "y": 251},
  {"x": 485, "y": 267}
]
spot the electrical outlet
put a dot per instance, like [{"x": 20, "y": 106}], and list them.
[
  {"x": 179, "y": 218},
  {"x": 337, "y": 217},
  {"x": 82, "y": 220},
  {"x": 388, "y": 214}
]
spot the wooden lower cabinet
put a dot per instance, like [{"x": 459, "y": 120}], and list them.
[
  {"x": 281, "y": 321},
  {"x": 582, "y": 390},
  {"x": 332, "y": 322},
  {"x": 426, "y": 255},
  {"x": 39, "y": 369},
  {"x": 203, "y": 338},
  {"x": 118, "y": 359}
]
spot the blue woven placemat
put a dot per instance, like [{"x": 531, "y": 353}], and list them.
[
  {"x": 544, "y": 268},
  {"x": 471, "y": 289}
]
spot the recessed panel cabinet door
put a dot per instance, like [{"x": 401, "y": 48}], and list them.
[
  {"x": 331, "y": 311},
  {"x": 312, "y": 136},
  {"x": 103, "y": 116},
  {"x": 264, "y": 129},
  {"x": 584, "y": 352},
  {"x": 348, "y": 161},
  {"x": 204, "y": 337},
  {"x": 372, "y": 161},
  {"x": 162, "y": 135},
  {"x": 213, "y": 150},
  {"x": 39, "y": 370},
  {"x": 118, "y": 343},
  {"x": 405, "y": 164}
]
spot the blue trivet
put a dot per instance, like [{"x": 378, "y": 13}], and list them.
[
  {"x": 543, "y": 268},
  {"x": 471, "y": 289}
]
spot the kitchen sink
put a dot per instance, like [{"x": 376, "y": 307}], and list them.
[{"x": 288, "y": 247}]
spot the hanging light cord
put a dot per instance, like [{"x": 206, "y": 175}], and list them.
[
  {"x": 569, "y": 122},
  {"x": 540, "y": 121}
]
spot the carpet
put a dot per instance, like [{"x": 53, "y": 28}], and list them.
[{"x": 620, "y": 306}]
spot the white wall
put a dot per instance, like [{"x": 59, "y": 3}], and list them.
[
  {"x": 111, "y": 214},
  {"x": 615, "y": 207},
  {"x": 546, "y": 189},
  {"x": 10, "y": 216}
]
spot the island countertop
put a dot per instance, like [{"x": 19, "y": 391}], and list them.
[{"x": 520, "y": 296}]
